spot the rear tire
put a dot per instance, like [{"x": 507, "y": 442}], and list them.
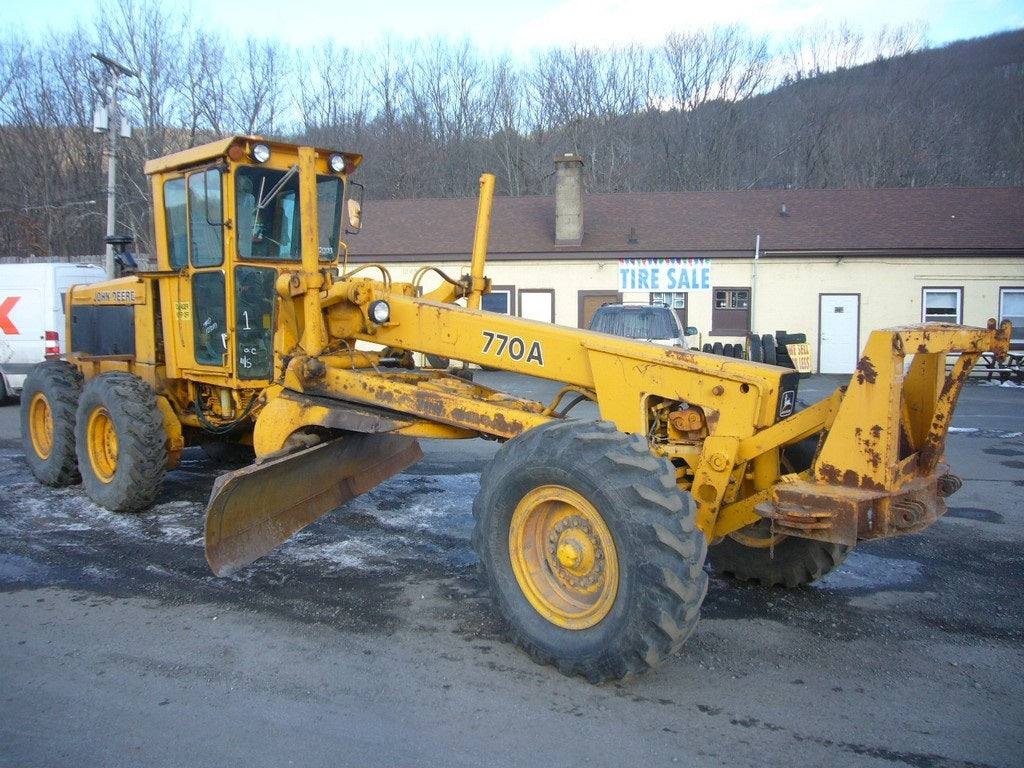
[
  {"x": 49, "y": 400},
  {"x": 121, "y": 443},
  {"x": 590, "y": 550},
  {"x": 755, "y": 554}
]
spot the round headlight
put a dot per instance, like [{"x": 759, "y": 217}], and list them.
[
  {"x": 336, "y": 163},
  {"x": 380, "y": 312},
  {"x": 260, "y": 153}
]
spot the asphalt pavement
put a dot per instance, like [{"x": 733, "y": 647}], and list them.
[{"x": 368, "y": 641}]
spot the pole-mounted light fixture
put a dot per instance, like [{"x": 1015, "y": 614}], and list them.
[{"x": 117, "y": 71}]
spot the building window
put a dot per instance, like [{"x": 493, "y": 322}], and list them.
[
  {"x": 942, "y": 305},
  {"x": 730, "y": 315},
  {"x": 500, "y": 300},
  {"x": 732, "y": 298},
  {"x": 674, "y": 300},
  {"x": 1011, "y": 307},
  {"x": 537, "y": 304}
]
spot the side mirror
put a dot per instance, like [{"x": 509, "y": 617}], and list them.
[{"x": 690, "y": 331}]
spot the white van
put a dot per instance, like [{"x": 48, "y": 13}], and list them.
[{"x": 32, "y": 320}]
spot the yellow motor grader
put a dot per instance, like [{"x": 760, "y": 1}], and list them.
[{"x": 255, "y": 332}]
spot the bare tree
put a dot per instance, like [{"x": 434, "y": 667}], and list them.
[
  {"x": 509, "y": 145},
  {"x": 447, "y": 89},
  {"x": 151, "y": 40},
  {"x": 896, "y": 42},
  {"x": 206, "y": 106},
  {"x": 255, "y": 89},
  {"x": 708, "y": 74},
  {"x": 818, "y": 50},
  {"x": 51, "y": 183},
  {"x": 333, "y": 98},
  {"x": 710, "y": 109}
]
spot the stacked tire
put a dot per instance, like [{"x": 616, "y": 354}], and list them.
[
  {"x": 782, "y": 339},
  {"x": 755, "y": 351},
  {"x": 769, "y": 348},
  {"x": 726, "y": 350}
]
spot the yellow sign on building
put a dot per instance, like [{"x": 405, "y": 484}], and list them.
[{"x": 801, "y": 356}]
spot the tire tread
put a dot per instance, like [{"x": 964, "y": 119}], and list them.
[
  {"x": 61, "y": 384},
  {"x": 142, "y": 442}
]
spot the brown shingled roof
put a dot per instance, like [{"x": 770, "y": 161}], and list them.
[{"x": 968, "y": 220}]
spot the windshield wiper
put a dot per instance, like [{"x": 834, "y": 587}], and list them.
[{"x": 264, "y": 200}]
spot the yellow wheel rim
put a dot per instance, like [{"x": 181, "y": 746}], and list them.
[
  {"x": 102, "y": 442},
  {"x": 40, "y": 421},
  {"x": 758, "y": 536},
  {"x": 564, "y": 557}
]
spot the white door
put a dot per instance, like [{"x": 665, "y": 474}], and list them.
[{"x": 838, "y": 343}]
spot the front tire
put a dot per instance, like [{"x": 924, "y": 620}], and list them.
[
  {"x": 121, "y": 443},
  {"x": 49, "y": 400},
  {"x": 590, "y": 550}
]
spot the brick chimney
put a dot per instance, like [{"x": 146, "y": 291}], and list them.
[{"x": 569, "y": 200}]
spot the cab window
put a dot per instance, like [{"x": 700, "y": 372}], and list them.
[
  {"x": 176, "y": 216},
  {"x": 254, "y": 321},
  {"x": 267, "y": 212},
  {"x": 210, "y": 317},
  {"x": 204, "y": 196}
]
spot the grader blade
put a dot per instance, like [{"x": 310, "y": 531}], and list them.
[{"x": 256, "y": 508}]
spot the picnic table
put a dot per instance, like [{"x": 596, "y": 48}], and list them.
[{"x": 1010, "y": 368}]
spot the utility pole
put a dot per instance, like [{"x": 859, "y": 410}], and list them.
[{"x": 113, "y": 128}]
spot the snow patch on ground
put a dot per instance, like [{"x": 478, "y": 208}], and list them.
[
  {"x": 1008, "y": 384},
  {"x": 862, "y": 571}
]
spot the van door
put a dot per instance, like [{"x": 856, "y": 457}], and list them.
[{"x": 22, "y": 332}]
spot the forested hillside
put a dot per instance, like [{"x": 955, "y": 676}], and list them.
[{"x": 718, "y": 109}]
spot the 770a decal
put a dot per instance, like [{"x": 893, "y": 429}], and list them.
[{"x": 503, "y": 345}]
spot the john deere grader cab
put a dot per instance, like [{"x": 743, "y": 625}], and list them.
[{"x": 592, "y": 535}]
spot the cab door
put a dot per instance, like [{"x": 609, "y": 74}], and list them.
[{"x": 195, "y": 233}]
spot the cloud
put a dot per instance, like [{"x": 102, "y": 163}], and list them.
[{"x": 606, "y": 23}]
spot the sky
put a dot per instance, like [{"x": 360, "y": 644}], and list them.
[{"x": 520, "y": 26}]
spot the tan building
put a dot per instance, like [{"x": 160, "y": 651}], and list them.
[{"x": 831, "y": 263}]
